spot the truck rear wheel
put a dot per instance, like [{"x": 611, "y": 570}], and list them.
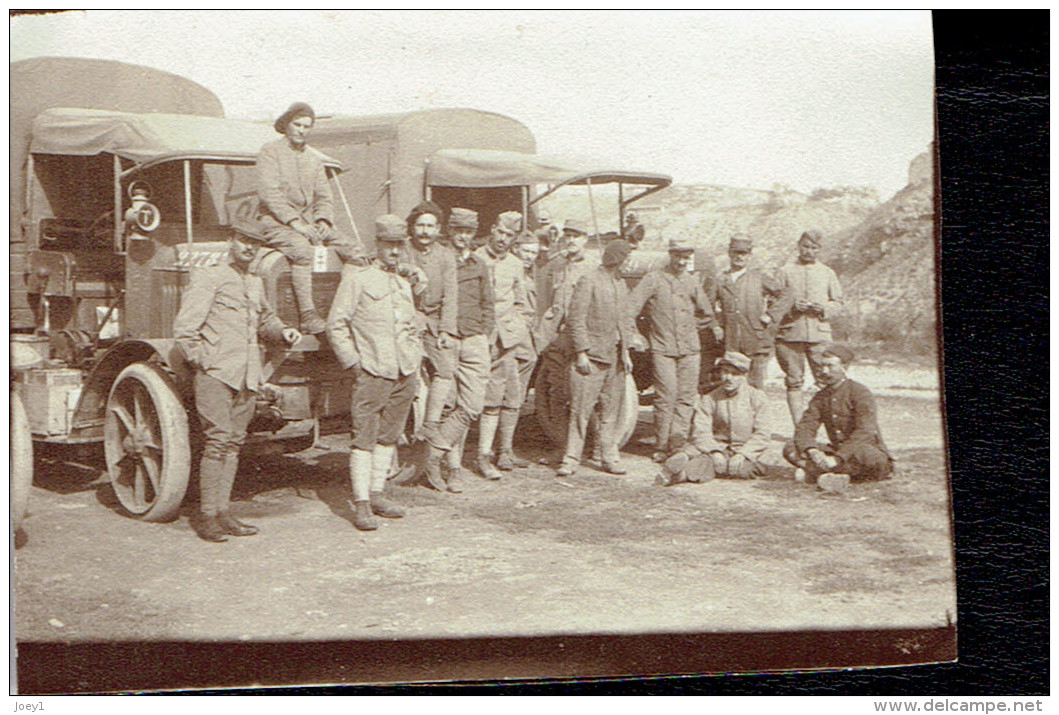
[
  {"x": 21, "y": 460},
  {"x": 552, "y": 403},
  {"x": 145, "y": 439}
]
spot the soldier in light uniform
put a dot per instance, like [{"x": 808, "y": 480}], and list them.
[
  {"x": 503, "y": 395},
  {"x": 817, "y": 296},
  {"x": 296, "y": 209},
  {"x": 475, "y": 324},
  {"x": 437, "y": 303},
  {"x": 528, "y": 249},
  {"x": 222, "y": 313},
  {"x": 373, "y": 331}
]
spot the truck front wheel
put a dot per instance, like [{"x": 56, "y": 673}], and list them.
[{"x": 145, "y": 439}]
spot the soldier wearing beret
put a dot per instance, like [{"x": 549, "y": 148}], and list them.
[
  {"x": 296, "y": 210},
  {"x": 846, "y": 409},
  {"x": 731, "y": 430},
  {"x": 817, "y": 296},
  {"x": 223, "y": 312},
  {"x": 676, "y": 305},
  {"x": 752, "y": 304},
  {"x": 374, "y": 333},
  {"x": 475, "y": 324},
  {"x": 437, "y": 303}
]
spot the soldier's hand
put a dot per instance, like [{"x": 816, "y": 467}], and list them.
[
  {"x": 720, "y": 465},
  {"x": 292, "y": 336},
  {"x": 818, "y": 458},
  {"x": 445, "y": 341},
  {"x": 551, "y": 313},
  {"x": 718, "y": 333},
  {"x": 626, "y": 361},
  {"x": 830, "y": 461},
  {"x": 766, "y": 319},
  {"x": 583, "y": 365},
  {"x": 322, "y": 228},
  {"x": 638, "y": 343},
  {"x": 303, "y": 227},
  {"x": 734, "y": 464},
  {"x": 802, "y": 306}
]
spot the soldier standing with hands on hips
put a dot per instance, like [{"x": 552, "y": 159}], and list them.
[
  {"x": 222, "y": 313},
  {"x": 373, "y": 331}
]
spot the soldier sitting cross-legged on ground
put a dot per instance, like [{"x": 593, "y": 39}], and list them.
[{"x": 222, "y": 313}]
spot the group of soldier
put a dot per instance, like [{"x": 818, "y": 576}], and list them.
[{"x": 470, "y": 318}]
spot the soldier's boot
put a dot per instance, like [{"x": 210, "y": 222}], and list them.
[
  {"x": 486, "y": 468},
  {"x": 487, "y": 426},
  {"x": 301, "y": 279},
  {"x": 229, "y": 523},
  {"x": 381, "y": 460},
  {"x": 453, "y": 477},
  {"x": 360, "y": 463},
  {"x": 432, "y": 467},
  {"x": 796, "y": 405},
  {"x": 506, "y": 459},
  {"x": 206, "y": 525}
]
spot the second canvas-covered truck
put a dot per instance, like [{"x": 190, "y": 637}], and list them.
[{"x": 119, "y": 208}]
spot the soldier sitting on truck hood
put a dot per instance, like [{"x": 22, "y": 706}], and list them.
[
  {"x": 297, "y": 210},
  {"x": 222, "y": 313}
]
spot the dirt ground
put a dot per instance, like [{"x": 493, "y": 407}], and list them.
[{"x": 529, "y": 555}]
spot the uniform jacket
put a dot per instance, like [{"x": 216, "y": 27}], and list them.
[
  {"x": 741, "y": 305},
  {"x": 598, "y": 319},
  {"x": 739, "y": 421},
  {"x": 554, "y": 290},
  {"x": 847, "y": 412},
  {"x": 527, "y": 350},
  {"x": 438, "y": 301},
  {"x": 475, "y": 312},
  {"x": 222, "y": 312},
  {"x": 671, "y": 301},
  {"x": 509, "y": 293},
  {"x": 373, "y": 322},
  {"x": 292, "y": 183},
  {"x": 814, "y": 282}
]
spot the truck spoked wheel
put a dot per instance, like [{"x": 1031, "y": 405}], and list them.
[
  {"x": 21, "y": 460},
  {"x": 551, "y": 398},
  {"x": 145, "y": 439}
]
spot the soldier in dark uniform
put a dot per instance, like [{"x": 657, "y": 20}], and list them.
[
  {"x": 222, "y": 313},
  {"x": 846, "y": 409}
]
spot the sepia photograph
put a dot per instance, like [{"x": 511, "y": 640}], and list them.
[{"x": 470, "y": 345}]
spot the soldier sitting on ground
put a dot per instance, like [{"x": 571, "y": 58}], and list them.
[
  {"x": 846, "y": 409},
  {"x": 730, "y": 430}
]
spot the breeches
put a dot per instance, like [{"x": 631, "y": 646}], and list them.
[
  {"x": 676, "y": 382},
  {"x": 472, "y": 374},
  {"x": 792, "y": 358},
  {"x": 380, "y": 407},
  {"x": 504, "y": 389},
  {"x": 224, "y": 414},
  {"x": 299, "y": 250},
  {"x": 865, "y": 463},
  {"x": 440, "y": 362}
]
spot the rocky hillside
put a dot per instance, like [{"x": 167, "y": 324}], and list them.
[{"x": 882, "y": 252}]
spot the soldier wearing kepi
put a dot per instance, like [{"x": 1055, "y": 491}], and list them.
[
  {"x": 222, "y": 313},
  {"x": 752, "y": 304},
  {"x": 372, "y": 328},
  {"x": 475, "y": 324},
  {"x": 601, "y": 332},
  {"x": 503, "y": 394},
  {"x": 672, "y": 295},
  {"x": 846, "y": 409},
  {"x": 296, "y": 211},
  {"x": 731, "y": 430},
  {"x": 437, "y": 303},
  {"x": 817, "y": 296}
]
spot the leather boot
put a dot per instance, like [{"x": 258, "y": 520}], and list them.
[
  {"x": 233, "y": 526},
  {"x": 486, "y": 468},
  {"x": 453, "y": 477},
  {"x": 432, "y": 467},
  {"x": 363, "y": 518},
  {"x": 386, "y": 508},
  {"x": 208, "y": 528},
  {"x": 301, "y": 279}
]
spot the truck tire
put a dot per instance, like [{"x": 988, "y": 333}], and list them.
[
  {"x": 145, "y": 439},
  {"x": 21, "y": 460}
]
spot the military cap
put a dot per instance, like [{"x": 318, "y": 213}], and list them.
[
  {"x": 813, "y": 237},
  {"x": 615, "y": 252},
  {"x": 510, "y": 221},
  {"x": 840, "y": 351},
  {"x": 576, "y": 225},
  {"x": 298, "y": 109},
  {"x": 425, "y": 207},
  {"x": 741, "y": 242},
  {"x": 681, "y": 245},
  {"x": 527, "y": 237},
  {"x": 249, "y": 229},
  {"x": 544, "y": 216},
  {"x": 463, "y": 218},
  {"x": 390, "y": 227},
  {"x": 737, "y": 360}
]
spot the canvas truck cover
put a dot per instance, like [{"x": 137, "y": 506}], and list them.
[
  {"x": 41, "y": 83},
  {"x": 145, "y": 138},
  {"x": 483, "y": 168}
]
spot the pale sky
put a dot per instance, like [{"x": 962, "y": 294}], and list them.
[{"x": 747, "y": 99}]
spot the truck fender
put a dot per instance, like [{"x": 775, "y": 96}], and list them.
[{"x": 92, "y": 404}]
